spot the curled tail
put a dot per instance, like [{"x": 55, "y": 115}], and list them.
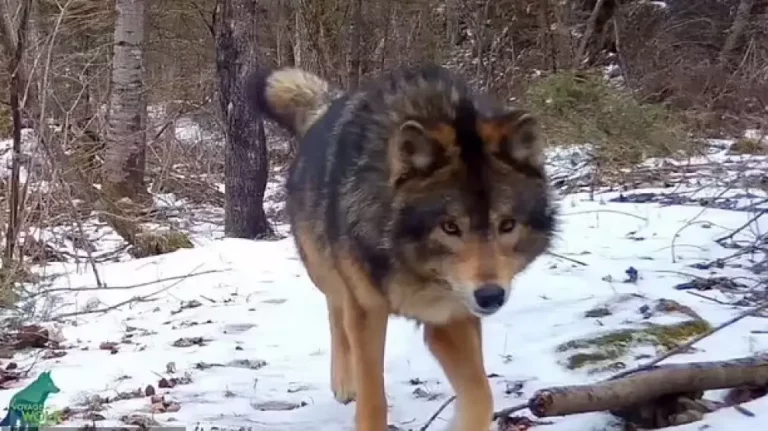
[{"x": 293, "y": 98}]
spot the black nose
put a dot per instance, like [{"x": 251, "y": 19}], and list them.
[{"x": 489, "y": 297}]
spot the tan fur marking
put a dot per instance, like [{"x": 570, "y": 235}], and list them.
[
  {"x": 328, "y": 280},
  {"x": 342, "y": 377},
  {"x": 506, "y": 134},
  {"x": 476, "y": 262},
  {"x": 432, "y": 142},
  {"x": 493, "y": 133},
  {"x": 411, "y": 298},
  {"x": 489, "y": 260},
  {"x": 457, "y": 346},
  {"x": 366, "y": 327},
  {"x": 299, "y": 95}
]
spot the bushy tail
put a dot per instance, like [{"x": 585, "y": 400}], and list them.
[{"x": 294, "y": 98}]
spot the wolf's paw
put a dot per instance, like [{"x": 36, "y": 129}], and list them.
[
  {"x": 343, "y": 387},
  {"x": 345, "y": 396}
]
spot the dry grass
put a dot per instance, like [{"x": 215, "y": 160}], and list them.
[{"x": 584, "y": 108}]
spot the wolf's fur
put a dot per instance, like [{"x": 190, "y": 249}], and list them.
[{"x": 411, "y": 197}]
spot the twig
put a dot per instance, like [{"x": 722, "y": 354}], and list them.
[
  {"x": 440, "y": 409},
  {"x": 654, "y": 362},
  {"x": 131, "y": 286},
  {"x": 690, "y": 222},
  {"x": 708, "y": 298},
  {"x": 686, "y": 346},
  {"x": 608, "y": 211},
  {"x": 559, "y": 256},
  {"x": 509, "y": 410},
  {"x": 127, "y": 301},
  {"x": 742, "y": 227}
]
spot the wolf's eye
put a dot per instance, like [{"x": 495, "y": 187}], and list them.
[
  {"x": 507, "y": 225},
  {"x": 450, "y": 227}
]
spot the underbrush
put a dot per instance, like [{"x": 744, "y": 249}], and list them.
[{"x": 584, "y": 108}]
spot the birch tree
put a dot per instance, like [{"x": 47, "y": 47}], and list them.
[{"x": 126, "y": 124}]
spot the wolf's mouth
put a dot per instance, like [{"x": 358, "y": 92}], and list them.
[{"x": 479, "y": 312}]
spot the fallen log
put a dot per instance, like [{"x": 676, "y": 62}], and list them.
[{"x": 649, "y": 384}]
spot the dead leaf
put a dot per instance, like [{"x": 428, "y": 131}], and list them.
[
  {"x": 142, "y": 421},
  {"x": 253, "y": 364},
  {"x": 190, "y": 341},
  {"x": 278, "y": 406},
  {"x": 53, "y": 354},
  {"x": 33, "y": 336}
]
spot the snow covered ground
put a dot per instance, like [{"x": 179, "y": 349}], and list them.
[
  {"x": 233, "y": 334},
  {"x": 250, "y": 346}
]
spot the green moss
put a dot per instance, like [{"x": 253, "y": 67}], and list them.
[
  {"x": 671, "y": 336},
  {"x": 579, "y": 360},
  {"x": 748, "y": 146},
  {"x": 614, "y": 338},
  {"x": 156, "y": 243},
  {"x": 610, "y": 346},
  {"x": 6, "y": 125}
]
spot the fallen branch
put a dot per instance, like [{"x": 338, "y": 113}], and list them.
[
  {"x": 742, "y": 227},
  {"x": 126, "y": 287},
  {"x": 652, "y": 383},
  {"x": 141, "y": 298},
  {"x": 437, "y": 412},
  {"x": 685, "y": 346},
  {"x": 569, "y": 259}
]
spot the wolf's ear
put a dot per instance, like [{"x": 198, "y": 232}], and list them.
[
  {"x": 417, "y": 152},
  {"x": 514, "y": 138}
]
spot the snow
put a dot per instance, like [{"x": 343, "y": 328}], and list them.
[
  {"x": 251, "y": 301},
  {"x": 261, "y": 306},
  {"x": 28, "y": 146}
]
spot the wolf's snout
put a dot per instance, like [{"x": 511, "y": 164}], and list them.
[{"x": 489, "y": 297}]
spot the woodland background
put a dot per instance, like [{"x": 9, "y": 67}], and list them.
[{"x": 98, "y": 97}]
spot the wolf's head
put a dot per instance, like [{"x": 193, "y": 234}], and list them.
[
  {"x": 471, "y": 201},
  {"x": 45, "y": 383}
]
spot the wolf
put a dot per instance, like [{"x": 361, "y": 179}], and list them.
[{"x": 415, "y": 197}]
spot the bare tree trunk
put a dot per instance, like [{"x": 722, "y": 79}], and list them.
[
  {"x": 738, "y": 26},
  {"x": 298, "y": 41},
  {"x": 246, "y": 165},
  {"x": 546, "y": 39},
  {"x": 126, "y": 132},
  {"x": 16, "y": 89},
  {"x": 452, "y": 21},
  {"x": 587, "y": 36},
  {"x": 353, "y": 75},
  {"x": 381, "y": 50}
]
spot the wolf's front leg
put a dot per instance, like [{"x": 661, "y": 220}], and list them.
[
  {"x": 458, "y": 347},
  {"x": 366, "y": 331}
]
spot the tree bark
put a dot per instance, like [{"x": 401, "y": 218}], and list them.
[
  {"x": 587, "y": 36},
  {"x": 126, "y": 132},
  {"x": 738, "y": 26},
  {"x": 356, "y": 51},
  {"x": 246, "y": 165},
  {"x": 298, "y": 39},
  {"x": 16, "y": 90},
  {"x": 647, "y": 385}
]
